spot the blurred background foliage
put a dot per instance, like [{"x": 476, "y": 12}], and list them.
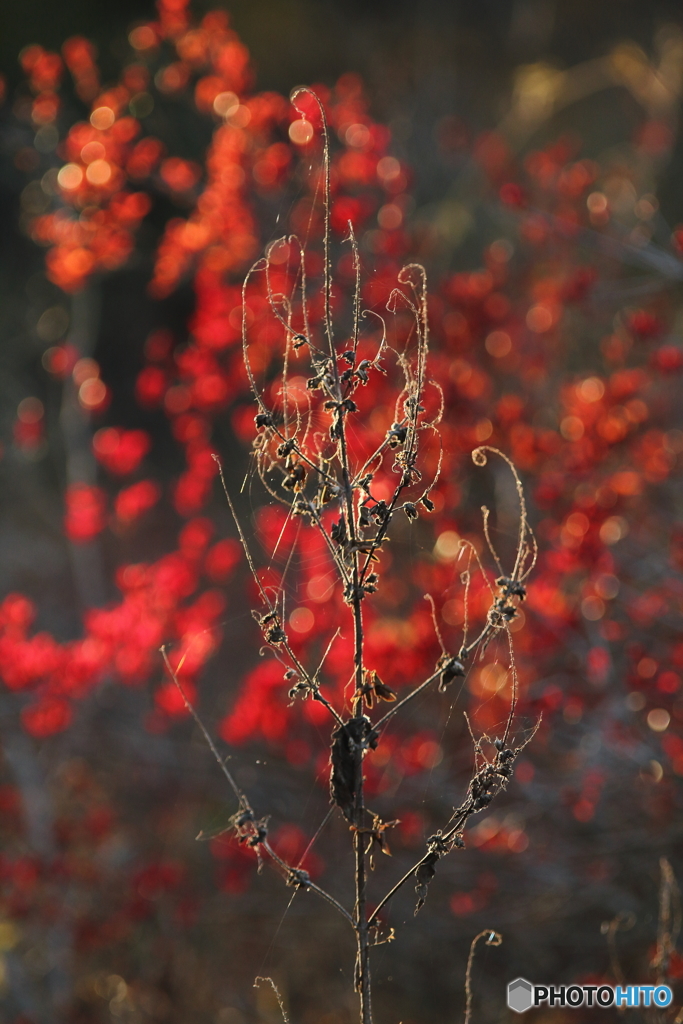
[{"x": 432, "y": 70}]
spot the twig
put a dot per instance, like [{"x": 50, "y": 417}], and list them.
[
  {"x": 327, "y": 287},
  {"x": 485, "y": 783},
  {"x": 241, "y": 798},
  {"x": 295, "y": 876},
  {"x": 276, "y": 990},
  {"x": 313, "y": 686},
  {"x": 622, "y": 922},
  {"x": 402, "y": 703},
  {"x": 492, "y": 939},
  {"x": 669, "y": 924}
]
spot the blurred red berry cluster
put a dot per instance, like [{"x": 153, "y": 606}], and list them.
[{"x": 593, "y": 441}]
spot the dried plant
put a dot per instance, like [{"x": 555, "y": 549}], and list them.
[
  {"x": 557, "y": 344},
  {"x": 668, "y": 930},
  {"x": 308, "y": 459},
  {"x": 491, "y": 939}
]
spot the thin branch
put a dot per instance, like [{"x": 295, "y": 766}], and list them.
[
  {"x": 492, "y": 939},
  {"x": 443, "y": 842},
  {"x": 276, "y": 990},
  {"x": 298, "y": 877},
  {"x": 327, "y": 285},
  {"x": 428, "y": 597},
  {"x": 669, "y": 924},
  {"x": 515, "y": 687},
  {"x": 479, "y": 459},
  {"x": 294, "y": 875},
  {"x": 356, "y": 290},
  {"x": 241, "y": 798},
  {"x": 392, "y": 892},
  {"x": 316, "y": 836},
  {"x": 243, "y": 539},
  {"x": 402, "y": 703},
  {"x": 314, "y": 687},
  {"x": 485, "y": 514},
  {"x": 260, "y": 264},
  {"x": 327, "y": 651},
  {"x": 622, "y": 922}
]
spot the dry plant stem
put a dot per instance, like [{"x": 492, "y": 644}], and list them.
[
  {"x": 492, "y": 939},
  {"x": 363, "y": 956},
  {"x": 276, "y": 990},
  {"x": 241, "y": 798},
  {"x": 360, "y": 913},
  {"x": 361, "y": 920},
  {"x": 315, "y": 689},
  {"x": 327, "y": 268},
  {"x": 294, "y": 876},
  {"x": 668, "y": 929},
  {"x": 361, "y": 923},
  {"x": 622, "y": 922},
  {"x": 308, "y": 884},
  {"x": 447, "y": 840},
  {"x": 486, "y": 773},
  {"x": 444, "y": 842},
  {"x": 315, "y": 475},
  {"x": 402, "y": 703},
  {"x": 669, "y": 920}
]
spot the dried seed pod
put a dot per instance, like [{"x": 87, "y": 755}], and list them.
[
  {"x": 451, "y": 669},
  {"x": 511, "y": 587},
  {"x": 287, "y": 447},
  {"x": 396, "y": 435},
  {"x": 362, "y": 371}
]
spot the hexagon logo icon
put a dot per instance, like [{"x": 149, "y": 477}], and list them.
[{"x": 520, "y": 995}]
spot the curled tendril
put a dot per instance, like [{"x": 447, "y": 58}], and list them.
[{"x": 520, "y": 570}]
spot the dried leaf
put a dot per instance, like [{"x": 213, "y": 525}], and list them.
[
  {"x": 345, "y": 758},
  {"x": 381, "y": 689},
  {"x": 424, "y": 874}
]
